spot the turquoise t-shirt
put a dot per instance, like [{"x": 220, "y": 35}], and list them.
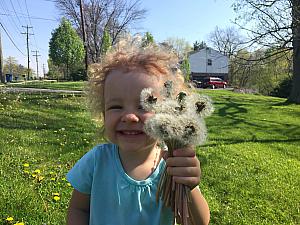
[{"x": 116, "y": 198}]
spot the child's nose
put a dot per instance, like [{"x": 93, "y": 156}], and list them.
[{"x": 130, "y": 117}]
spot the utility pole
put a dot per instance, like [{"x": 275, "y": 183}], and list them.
[
  {"x": 27, "y": 39},
  {"x": 84, "y": 36},
  {"x": 1, "y": 62},
  {"x": 37, "y": 62},
  {"x": 44, "y": 71}
]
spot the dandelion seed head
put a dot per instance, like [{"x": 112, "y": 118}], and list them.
[
  {"x": 194, "y": 130},
  {"x": 181, "y": 97},
  {"x": 148, "y": 100},
  {"x": 200, "y": 104},
  {"x": 168, "y": 89}
]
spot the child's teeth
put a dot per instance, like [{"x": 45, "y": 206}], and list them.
[{"x": 131, "y": 132}]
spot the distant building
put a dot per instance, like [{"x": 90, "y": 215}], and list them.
[{"x": 208, "y": 62}]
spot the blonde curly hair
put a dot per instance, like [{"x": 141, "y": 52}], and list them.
[{"x": 129, "y": 55}]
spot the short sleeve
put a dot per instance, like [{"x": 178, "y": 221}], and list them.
[{"x": 81, "y": 175}]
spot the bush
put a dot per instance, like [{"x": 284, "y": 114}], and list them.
[
  {"x": 78, "y": 75},
  {"x": 283, "y": 89}
]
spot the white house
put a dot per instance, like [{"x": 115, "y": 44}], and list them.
[{"x": 208, "y": 62}]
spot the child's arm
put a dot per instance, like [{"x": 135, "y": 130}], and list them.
[
  {"x": 185, "y": 169},
  {"x": 79, "y": 209}
]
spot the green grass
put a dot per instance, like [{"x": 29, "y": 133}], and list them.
[
  {"x": 48, "y": 132},
  {"x": 75, "y": 86},
  {"x": 250, "y": 164}
]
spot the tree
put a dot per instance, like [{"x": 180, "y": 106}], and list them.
[
  {"x": 11, "y": 66},
  {"x": 275, "y": 24},
  {"x": 114, "y": 16},
  {"x": 186, "y": 69},
  {"x": 179, "y": 45},
  {"x": 54, "y": 71},
  {"x": 106, "y": 42},
  {"x": 246, "y": 71},
  {"x": 227, "y": 41},
  {"x": 198, "y": 46},
  {"x": 147, "y": 39},
  {"x": 66, "y": 49}
]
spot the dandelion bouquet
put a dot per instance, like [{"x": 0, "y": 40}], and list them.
[{"x": 178, "y": 122}]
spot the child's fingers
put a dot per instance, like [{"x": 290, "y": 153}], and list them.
[
  {"x": 165, "y": 155},
  {"x": 182, "y": 161},
  {"x": 184, "y": 171},
  {"x": 191, "y": 182},
  {"x": 184, "y": 152}
]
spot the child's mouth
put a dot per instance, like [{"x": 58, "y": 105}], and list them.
[{"x": 130, "y": 132}]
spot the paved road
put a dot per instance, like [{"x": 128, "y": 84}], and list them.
[{"x": 34, "y": 90}]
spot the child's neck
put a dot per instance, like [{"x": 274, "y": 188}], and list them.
[{"x": 140, "y": 165}]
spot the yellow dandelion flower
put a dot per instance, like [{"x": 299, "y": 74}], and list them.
[
  {"x": 69, "y": 184},
  {"x": 40, "y": 178},
  {"x": 55, "y": 194},
  {"x": 56, "y": 198},
  {"x": 37, "y": 171},
  {"x": 53, "y": 179},
  {"x": 9, "y": 218},
  {"x": 26, "y": 164},
  {"x": 19, "y": 223},
  {"x": 33, "y": 175}
]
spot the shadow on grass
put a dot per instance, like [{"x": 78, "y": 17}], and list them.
[
  {"x": 240, "y": 141},
  {"x": 253, "y": 117}
]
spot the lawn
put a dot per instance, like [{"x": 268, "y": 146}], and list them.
[{"x": 250, "y": 163}]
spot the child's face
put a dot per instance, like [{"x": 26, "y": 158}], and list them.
[{"x": 124, "y": 118}]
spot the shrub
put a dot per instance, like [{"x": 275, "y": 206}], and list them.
[{"x": 283, "y": 89}]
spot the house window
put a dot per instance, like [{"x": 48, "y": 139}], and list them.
[{"x": 209, "y": 62}]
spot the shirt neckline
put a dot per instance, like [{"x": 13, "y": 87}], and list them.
[{"x": 147, "y": 181}]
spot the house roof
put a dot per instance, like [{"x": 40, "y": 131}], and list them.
[{"x": 204, "y": 49}]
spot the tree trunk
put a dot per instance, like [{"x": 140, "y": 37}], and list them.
[{"x": 295, "y": 92}]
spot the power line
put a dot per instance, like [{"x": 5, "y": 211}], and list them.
[
  {"x": 31, "y": 24},
  {"x": 11, "y": 39},
  {"x": 15, "y": 12},
  {"x": 11, "y": 20},
  {"x": 32, "y": 17}
]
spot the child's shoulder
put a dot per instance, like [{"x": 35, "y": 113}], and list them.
[{"x": 106, "y": 149}]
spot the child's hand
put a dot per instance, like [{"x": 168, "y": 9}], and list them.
[{"x": 184, "y": 167}]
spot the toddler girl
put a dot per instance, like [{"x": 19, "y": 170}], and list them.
[{"x": 115, "y": 183}]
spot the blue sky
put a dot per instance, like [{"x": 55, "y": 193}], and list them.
[{"x": 190, "y": 19}]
